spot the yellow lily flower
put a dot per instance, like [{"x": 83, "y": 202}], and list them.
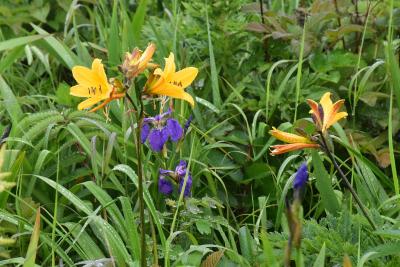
[
  {"x": 325, "y": 114},
  {"x": 93, "y": 84},
  {"x": 137, "y": 61},
  {"x": 170, "y": 83},
  {"x": 295, "y": 142}
]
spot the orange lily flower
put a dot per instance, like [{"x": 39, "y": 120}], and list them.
[
  {"x": 170, "y": 83},
  {"x": 137, "y": 61},
  {"x": 325, "y": 113},
  {"x": 295, "y": 142},
  {"x": 93, "y": 84}
]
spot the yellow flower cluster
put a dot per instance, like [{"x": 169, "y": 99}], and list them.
[{"x": 94, "y": 85}]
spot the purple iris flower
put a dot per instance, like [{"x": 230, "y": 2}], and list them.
[
  {"x": 159, "y": 129},
  {"x": 301, "y": 177},
  {"x": 165, "y": 186}
]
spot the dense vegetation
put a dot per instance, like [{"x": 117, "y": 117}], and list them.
[{"x": 212, "y": 193}]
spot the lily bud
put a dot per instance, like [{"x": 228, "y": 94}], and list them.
[{"x": 137, "y": 61}]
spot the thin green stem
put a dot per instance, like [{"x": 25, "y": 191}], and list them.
[
  {"x": 390, "y": 141},
  {"x": 139, "y": 121}
]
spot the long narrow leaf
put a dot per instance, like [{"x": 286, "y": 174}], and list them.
[{"x": 33, "y": 244}]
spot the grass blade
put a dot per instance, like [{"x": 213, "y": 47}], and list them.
[
  {"x": 33, "y": 244},
  {"x": 213, "y": 68},
  {"x": 13, "y": 43},
  {"x": 138, "y": 21}
]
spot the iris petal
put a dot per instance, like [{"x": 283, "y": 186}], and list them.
[
  {"x": 174, "y": 129},
  {"x": 164, "y": 186},
  {"x": 144, "y": 132},
  {"x": 157, "y": 139}
]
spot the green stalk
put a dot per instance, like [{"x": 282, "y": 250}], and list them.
[
  {"x": 390, "y": 141},
  {"x": 139, "y": 121}
]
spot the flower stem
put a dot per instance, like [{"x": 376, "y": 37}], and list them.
[
  {"x": 348, "y": 184},
  {"x": 139, "y": 121}
]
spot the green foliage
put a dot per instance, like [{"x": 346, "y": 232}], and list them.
[{"x": 80, "y": 167}]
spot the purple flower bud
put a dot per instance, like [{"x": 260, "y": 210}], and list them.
[
  {"x": 164, "y": 186},
  {"x": 174, "y": 129},
  {"x": 301, "y": 177},
  {"x": 180, "y": 169},
  {"x": 188, "y": 186},
  {"x": 157, "y": 139},
  {"x": 144, "y": 132},
  {"x": 187, "y": 123}
]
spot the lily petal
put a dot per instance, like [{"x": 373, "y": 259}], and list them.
[
  {"x": 169, "y": 66},
  {"x": 338, "y": 116},
  {"x": 316, "y": 112},
  {"x": 88, "y": 103},
  {"x": 146, "y": 56},
  {"x": 288, "y": 137},
  {"x": 98, "y": 70},
  {"x": 84, "y": 75},
  {"x": 174, "y": 92},
  {"x": 332, "y": 119},
  {"x": 185, "y": 77},
  {"x": 80, "y": 90},
  {"x": 280, "y": 149}
]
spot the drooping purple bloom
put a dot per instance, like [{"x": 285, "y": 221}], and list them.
[
  {"x": 159, "y": 129},
  {"x": 164, "y": 186},
  {"x": 179, "y": 176},
  {"x": 301, "y": 177},
  {"x": 188, "y": 186}
]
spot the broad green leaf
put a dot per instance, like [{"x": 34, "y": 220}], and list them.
[
  {"x": 138, "y": 20},
  {"x": 246, "y": 242},
  {"x": 10, "y": 102},
  {"x": 320, "y": 261},
  {"x": 324, "y": 185},
  {"x": 87, "y": 246}
]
